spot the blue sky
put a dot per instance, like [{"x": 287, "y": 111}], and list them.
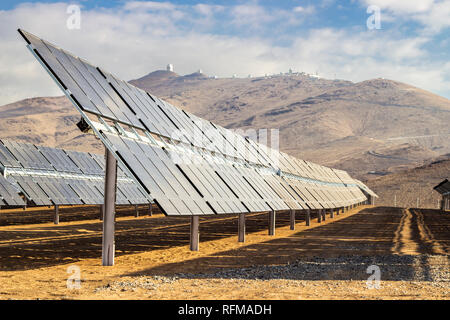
[{"x": 133, "y": 38}]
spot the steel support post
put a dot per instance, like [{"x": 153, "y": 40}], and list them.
[
  {"x": 109, "y": 210},
  {"x": 292, "y": 219},
  {"x": 195, "y": 238},
  {"x": 308, "y": 217},
  {"x": 272, "y": 223},
  {"x": 136, "y": 208},
  {"x": 241, "y": 227},
  {"x": 56, "y": 215}
]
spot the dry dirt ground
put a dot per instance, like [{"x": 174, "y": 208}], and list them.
[{"x": 323, "y": 261}]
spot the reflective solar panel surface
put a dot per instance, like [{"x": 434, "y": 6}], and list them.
[
  {"x": 188, "y": 165},
  {"x": 48, "y": 176},
  {"x": 9, "y": 195}
]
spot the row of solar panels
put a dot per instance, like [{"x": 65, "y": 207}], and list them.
[
  {"x": 230, "y": 173},
  {"x": 443, "y": 187},
  {"x": 98, "y": 92},
  {"x": 212, "y": 186},
  {"x": 47, "y": 176}
]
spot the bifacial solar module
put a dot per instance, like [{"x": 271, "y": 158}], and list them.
[
  {"x": 63, "y": 177},
  {"x": 59, "y": 159},
  {"x": 186, "y": 164},
  {"x": 32, "y": 190},
  {"x": 8, "y": 194},
  {"x": 85, "y": 163},
  {"x": 7, "y": 159}
]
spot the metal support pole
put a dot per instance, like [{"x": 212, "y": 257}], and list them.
[
  {"x": 136, "y": 214},
  {"x": 56, "y": 216},
  {"x": 324, "y": 214},
  {"x": 102, "y": 211},
  {"x": 292, "y": 216},
  {"x": 108, "y": 247},
  {"x": 151, "y": 209},
  {"x": 308, "y": 217},
  {"x": 331, "y": 213},
  {"x": 195, "y": 238},
  {"x": 319, "y": 215},
  {"x": 272, "y": 223},
  {"x": 241, "y": 227}
]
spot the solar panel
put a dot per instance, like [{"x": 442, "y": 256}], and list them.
[
  {"x": 59, "y": 159},
  {"x": 6, "y": 157},
  {"x": 28, "y": 155},
  {"x": 32, "y": 190},
  {"x": 151, "y": 140},
  {"x": 8, "y": 194},
  {"x": 49, "y": 176}
]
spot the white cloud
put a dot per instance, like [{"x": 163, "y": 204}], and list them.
[
  {"x": 401, "y": 6},
  {"x": 304, "y": 10},
  {"x": 148, "y": 5},
  {"x": 437, "y": 18},
  {"x": 433, "y": 14},
  {"x": 131, "y": 43}
]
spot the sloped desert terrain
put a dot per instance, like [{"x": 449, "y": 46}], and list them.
[{"x": 373, "y": 128}]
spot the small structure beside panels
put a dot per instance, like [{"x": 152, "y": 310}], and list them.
[
  {"x": 443, "y": 189},
  {"x": 187, "y": 165}
]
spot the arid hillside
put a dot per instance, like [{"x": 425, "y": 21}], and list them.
[
  {"x": 405, "y": 187},
  {"x": 47, "y": 121},
  {"x": 369, "y": 128},
  {"x": 376, "y": 126}
]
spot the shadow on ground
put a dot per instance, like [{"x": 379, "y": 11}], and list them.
[
  {"x": 339, "y": 250},
  {"x": 42, "y": 246},
  {"x": 342, "y": 250}
]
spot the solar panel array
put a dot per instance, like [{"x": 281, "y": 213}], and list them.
[
  {"x": 48, "y": 176},
  {"x": 188, "y": 165},
  {"x": 9, "y": 195}
]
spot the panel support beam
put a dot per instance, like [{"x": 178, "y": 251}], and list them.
[
  {"x": 331, "y": 213},
  {"x": 324, "y": 214},
  {"x": 108, "y": 247},
  {"x": 56, "y": 215},
  {"x": 308, "y": 217},
  {"x": 292, "y": 219},
  {"x": 319, "y": 215},
  {"x": 136, "y": 208},
  {"x": 272, "y": 223},
  {"x": 195, "y": 238},
  {"x": 150, "y": 209},
  {"x": 241, "y": 227},
  {"x": 102, "y": 211}
]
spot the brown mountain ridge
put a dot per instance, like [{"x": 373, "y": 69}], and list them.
[{"x": 369, "y": 128}]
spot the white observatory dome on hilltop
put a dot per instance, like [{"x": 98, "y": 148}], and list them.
[{"x": 169, "y": 67}]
